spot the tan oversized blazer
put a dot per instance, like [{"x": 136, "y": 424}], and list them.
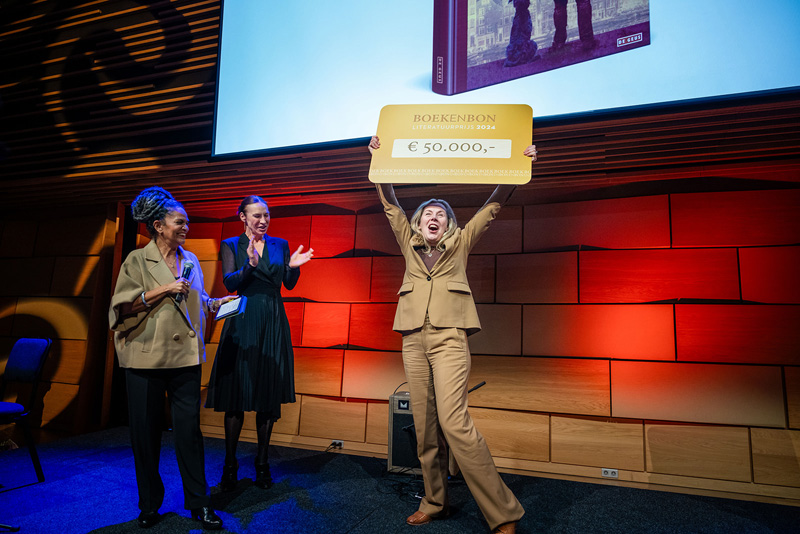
[
  {"x": 168, "y": 335},
  {"x": 443, "y": 293}
]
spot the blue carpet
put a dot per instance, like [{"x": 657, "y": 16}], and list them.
[{"x": 90, "y": 487}]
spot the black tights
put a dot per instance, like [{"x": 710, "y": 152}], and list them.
[{"x": 233, "y": 428}]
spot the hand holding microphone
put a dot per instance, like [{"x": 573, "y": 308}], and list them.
[{"x": 188, "y": 265}]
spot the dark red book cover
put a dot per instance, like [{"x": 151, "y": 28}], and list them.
[{"x": 477, "y": 43}]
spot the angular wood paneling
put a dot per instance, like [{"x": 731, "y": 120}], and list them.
[
  {"x": 318, "y": 371},
  {"x": 334, "y": 280},
  {"x": 650, "y": 275},
  {"x": 74, "y": 276},
  {"x": 289, "y": 423},
  {"x": 501, "y": 330},
  {"x": 333, "y": 418},
  {"x": 63, "y": 318},
  {"x": 15, "y": 239},
  {"x": 769, "y": 274},
  {"x": 59, "y": 406},
  {"x": 698, "y": 393},
  {"x": 635, "y": 331},
  {"x": 504, "y": 236},
  {"x": 511, "y": 434},
  {"x": 294, "y": 313},
  {"x": 481, "y": 275},
  {"x": 295, "y": 230},
  {"x": 793, "y": 395},
  {"x": 207, "y": 366},
  {"x": 775, "y": 456},
  {"x": 79, "y": 236},
  {"x": 26, "y": 277},
  {"x": 736, "y": 218},
  {"x": 387, "y": 276},
  {"x": 698, "y": 451},
  {"x": 640, "y": 222},
  {"x": 65, "y": 362},
  {"x": 371, "y": 374},
  {"x": 8, "y": 308},
  {"x": 204, "y": 239},
  {"x": 378, "y": 423},
  {"x": 541, "y": 385},
  {"x": 765, "y": 334},
  {"x": 325, "y": 325},
  {"x": 374, "y": 235},
  {"x": 538, "y": 278},
  {"x": 600, "y": 443},
  {"x": 212, "y": 277},
  {"x": 371, "y": 327},
  {"x": 333, "y": 235}
]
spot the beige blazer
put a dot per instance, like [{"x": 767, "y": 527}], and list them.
[
  {"x": 169, "y": 334},
  {"x": 443, "y": 293}
]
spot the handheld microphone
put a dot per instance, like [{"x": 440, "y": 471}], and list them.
[{"x": 188, "y": 265}]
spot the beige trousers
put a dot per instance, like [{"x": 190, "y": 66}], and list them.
[{"x": 437, "y": 364}]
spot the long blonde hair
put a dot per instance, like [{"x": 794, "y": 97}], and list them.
[{"x": 417, "y": 238}]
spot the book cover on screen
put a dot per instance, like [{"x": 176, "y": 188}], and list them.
[{"x": 483, "y": 42}]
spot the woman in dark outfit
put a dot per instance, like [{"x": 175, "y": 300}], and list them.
[{"x": 254, "y": 368}]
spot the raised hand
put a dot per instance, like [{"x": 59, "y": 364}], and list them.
[
  {"x": 299, "y": 257},
  {"x": 374, "y": 144},
  {"x": 252, "y": 253},
  {"x": 531, "y": 152}
]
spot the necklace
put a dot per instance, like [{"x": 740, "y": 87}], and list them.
[{"x": 429, "y": 254}]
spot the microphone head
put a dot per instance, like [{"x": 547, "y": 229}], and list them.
[{"x": 188, "y": 265}]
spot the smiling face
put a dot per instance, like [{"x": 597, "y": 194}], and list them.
[
  {"x": 433, "y": 223},
  {"x": 172, "y": 229},
  {"x": 256, "y": 219}
]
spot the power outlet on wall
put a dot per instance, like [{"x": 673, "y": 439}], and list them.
[
  {"x": 609, "y": 473},
  {"x": 336, "y": 444}
]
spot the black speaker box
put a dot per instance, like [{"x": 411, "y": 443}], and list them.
[{"x": 402, "y": 456}]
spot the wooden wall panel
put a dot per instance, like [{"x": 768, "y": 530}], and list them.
[
  {"x": 538, "y": 278},
  {"x": 294, "y": 313},
  {"x": 295, "y": 230},
  {"x": 702, "y": 393},
  {"x": 204, "y": 240},
  {"x": 792, "y": 375},
  {"x": 15, "y": 240},
  {"x": 333, "y": 419},
  {"x": 289, "y": 423},
  {"x": 26, "y": 277},
  {"x": 334, "y": 280},
  {"x": 600, "y": 443},
  {"x": 371, "y": 327},
  {"x": 325, "y": 324},
  {"x": 374, "y": 235},
  {"x": 63, "y": 318},
  {"x": 208, "y": 365},
  {"x": 698, "y": 451},
  {"x": 378, "y": 423},
  {"x": 651, "y": 275},
  {"x": 65, "y": 362},
  {"x": 511, "y": 434},
  {"x": 775, "y": 455},
  {"x": 78, "y": 236},
  {"x": 504, "y": 236},
  {"x": 766, "y": 334},
  {"x": 371, "y": 374},
  {"x": 8, "y": 308},
  {"x": 387, "y": 276},
  {"x": 736, "y": 218},
  {"x": 74, "y": 276},
  {"x": 769, "y": 274},
  {"x": 636, "y": 331},
  {"x": 541, "y": 385},
  {"x": 318, "y": 371},
  {"x": 59, "y": 406},
  {"x": 501, "y": 330},
  {"x": 212, "y": 277},
  {"x": 332, "y": 235},
  {"x": 481, "y": 277},
  {"x": 640, "y": 222}
]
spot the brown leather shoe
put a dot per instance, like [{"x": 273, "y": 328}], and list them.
[
  {"x": 418, "y": 518},
  {"x": 506, "y": 528}
]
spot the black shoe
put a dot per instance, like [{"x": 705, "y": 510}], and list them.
[
  {"x": 263, "y": 476},
  {"x": 148, "y": 519},
  {"x": 207, "y": 518},
  {"x": 229, "y": 477}
]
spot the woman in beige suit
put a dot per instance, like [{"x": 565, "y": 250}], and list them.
[
  {"x": 435, "y": 314},
  {"x": 158, "y": 314}
]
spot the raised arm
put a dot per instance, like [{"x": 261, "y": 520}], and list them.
[
  {"x": 502, "y": 193},
  {"x": 386, "y": 190}
]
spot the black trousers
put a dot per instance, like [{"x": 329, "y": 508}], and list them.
[{"x": 146, "y": 389}]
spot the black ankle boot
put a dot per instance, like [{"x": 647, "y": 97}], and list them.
[
  {"x": 229, "y": 476},
  {"x": 263, "y": 477}
]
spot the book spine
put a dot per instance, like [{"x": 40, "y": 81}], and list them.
[{"x": 445, "y": 45}]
